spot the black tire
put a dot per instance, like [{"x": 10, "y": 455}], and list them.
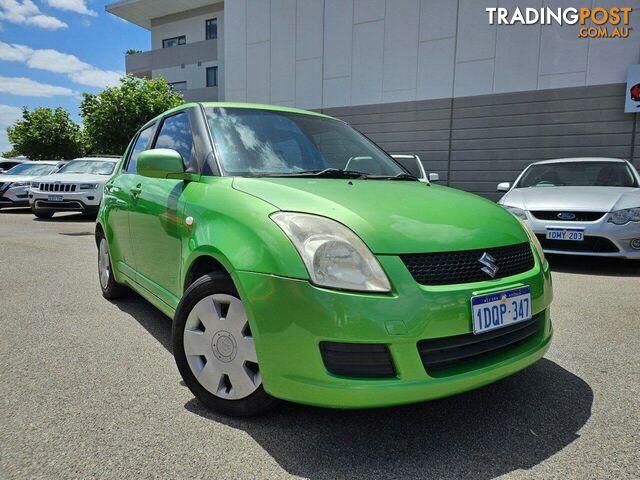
[
  {"x": 111, "y": 290},
  {"x": 257, "y": 402},
  {"x": 42, "y": 213}
]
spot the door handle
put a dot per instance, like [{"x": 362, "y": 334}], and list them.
[{"x": 135, "y": 192}]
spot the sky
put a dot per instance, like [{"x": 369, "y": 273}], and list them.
[{"x": 53, "y": 50}]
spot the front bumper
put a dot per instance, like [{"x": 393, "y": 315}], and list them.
[
  {"x": 290, "y": 318},
  {"x": 15, "y": 197},
  {"x": 620, "y": 236},
  {"x": 83, "y": 201}
]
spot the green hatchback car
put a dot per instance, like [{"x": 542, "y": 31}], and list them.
[{"x": 299, "y": 261}]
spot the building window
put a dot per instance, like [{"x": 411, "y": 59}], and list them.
[
  {"x": 178, "y": 86},
  {"x": 174, "y": 42},
  {"x": 212, "y": 77},
  {"x": 211, "y": 29}
]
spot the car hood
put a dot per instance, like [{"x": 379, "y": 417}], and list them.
[
  {"x": 16, "y": 178},
  {"x": 597, "y": 199},
  {"x": 74, "y": 178},
  {"x": 395, "y": 216}
]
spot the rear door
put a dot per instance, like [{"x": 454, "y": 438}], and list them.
[
  {"x": 156, "y": 222},
  {"x": 118, "y": 201}
]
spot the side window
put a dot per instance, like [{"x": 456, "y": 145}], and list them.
[
  {"x": 176, "y": 135},
  {"x": 139, "y": 147}
]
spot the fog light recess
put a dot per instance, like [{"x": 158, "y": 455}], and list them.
[{"x": 635, "y": 243}]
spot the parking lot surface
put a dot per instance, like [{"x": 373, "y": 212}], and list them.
[{"x": 89, "y": 389}]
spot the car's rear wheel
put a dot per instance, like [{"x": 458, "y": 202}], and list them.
[
  {"x": 110, "y": 288},
  {"x": 214, "y": 348}
]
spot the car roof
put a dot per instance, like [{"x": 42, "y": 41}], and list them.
[{"x": 581, "y": 159}]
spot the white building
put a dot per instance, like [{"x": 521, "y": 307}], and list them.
[{"x": 477, "y": 101}]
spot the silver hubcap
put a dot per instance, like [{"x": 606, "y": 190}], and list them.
[
  {"x": 220, "y": 349},
  {"x": 103, "y": 264}
]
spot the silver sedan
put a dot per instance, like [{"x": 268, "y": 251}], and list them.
[{"x": 579, "y": 206}]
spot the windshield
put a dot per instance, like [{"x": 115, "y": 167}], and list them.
[
  {"x": 95, "y": 167},
  {"x": 410, "y": 164},
  {"x": 578, "y": 174},
  {"x": 252, "y": 142},
  {"x": 31, "y": 169}
]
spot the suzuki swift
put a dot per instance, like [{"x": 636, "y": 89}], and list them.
[{"x": 299, "y": 261}]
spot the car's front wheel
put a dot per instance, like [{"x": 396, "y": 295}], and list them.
[
  {"x": 42, "y": 213},
  {"x": 214, "y": 348}
]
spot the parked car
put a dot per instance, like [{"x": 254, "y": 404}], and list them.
[
  {"x": 413, "y": 165},
  {"x": 76, "y": 187},
  {"x": 7, "y": 164},
  {"x": 291, "y": 277},
  {"x": 579, "y": 206},
  {"x": 15, "y": 183}
]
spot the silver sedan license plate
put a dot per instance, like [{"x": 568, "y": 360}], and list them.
[{"x": 574, "y": 234}]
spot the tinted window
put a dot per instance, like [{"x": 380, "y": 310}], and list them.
[
  {"x": 212, "y": 77},
  {"x": 178, "y": 86},
  {"x": 578, "y": 174},
  {"x": 174, "y": 42},
  {"x": 176, "y": 135},
  {"x": 211, "y": 27},
  {"x": 139, "y": 147}
]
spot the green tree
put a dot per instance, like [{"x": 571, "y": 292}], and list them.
[
  {"x": 113, "y": 116},
  {"x": 46, "y": 134}
]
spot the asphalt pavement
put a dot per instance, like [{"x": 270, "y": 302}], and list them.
[{"x": 89, "y": 389}]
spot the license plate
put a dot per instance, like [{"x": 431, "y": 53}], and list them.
[
  {"x": 55, "y": 198},
  {"x": 500, "y": 309},
  {"x": 565, "y": 234}
]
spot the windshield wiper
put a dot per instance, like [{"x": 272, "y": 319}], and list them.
[
  {"x": 325, "y": 173},
  {"x": 400, "y": 176}
]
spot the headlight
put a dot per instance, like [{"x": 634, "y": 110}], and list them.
[
  {"x": 35, "y": 184},
  {"x": 620, "y": 217},
  {"x": 534, "y": 240},
  {"x": 335, "y": 257},
  {"x": 88, "y": 186},
  {"x": 20, "y": 184},
  {"x": 518, "y": 212}
]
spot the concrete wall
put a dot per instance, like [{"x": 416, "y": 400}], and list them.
[
  {"x": 328, "y": 53},
  {"x": 477, "y": 142},
  {"x": 190, "y": 23}
]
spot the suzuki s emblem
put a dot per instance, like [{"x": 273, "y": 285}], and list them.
[
  {"x": 566, "y": 216},
  {"x": 490, "y": 267}
]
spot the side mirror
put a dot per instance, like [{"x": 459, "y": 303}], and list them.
[
  {"x": 504, "y": 187},
  {"x": 434, "y": 177},
  {"x": 160, "y": 163}
]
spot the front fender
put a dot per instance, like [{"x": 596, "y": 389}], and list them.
[{"x": 234, "y": 228}]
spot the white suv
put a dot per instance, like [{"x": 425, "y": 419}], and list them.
[
  {"x": 76, "y": 187},
  {"x": 15, "y": 183}
]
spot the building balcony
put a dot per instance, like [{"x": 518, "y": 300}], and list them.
[{"x": 142, "y": 64}]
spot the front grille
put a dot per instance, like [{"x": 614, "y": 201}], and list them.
[
  {"x": 58, "y": 187},
  {"x": 441, "y": 353},
  {"x": 579, "y": 216},
  {"x": 464, "y": 267},
  {"x": 590, "y": 244},
  {"x": 357, "y": 359}
]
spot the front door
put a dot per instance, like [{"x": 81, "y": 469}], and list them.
[
  {"x": 156, "y": 223},
  {"x": 119, "y": 202}
]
